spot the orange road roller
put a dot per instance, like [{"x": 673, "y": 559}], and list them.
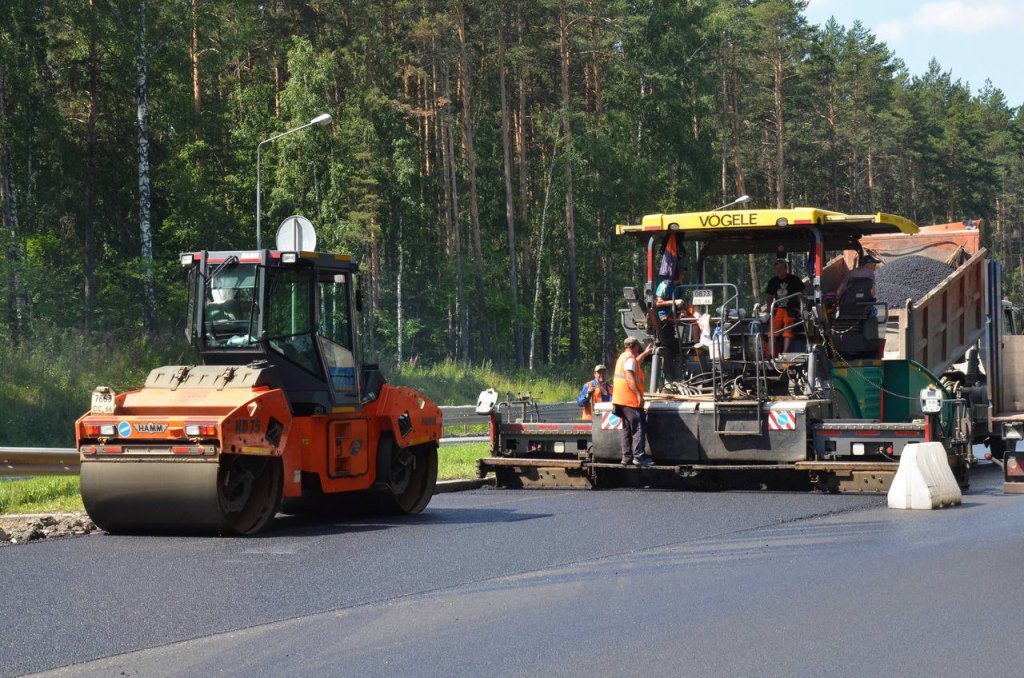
[{"x": 281, "y": 412}]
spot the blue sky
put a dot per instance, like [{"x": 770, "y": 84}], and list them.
[{"x": 974, "y": 39}]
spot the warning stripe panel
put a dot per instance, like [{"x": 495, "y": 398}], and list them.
[
  {"x": 610, "y": 421},
  {"x": 782, "y": 420}
]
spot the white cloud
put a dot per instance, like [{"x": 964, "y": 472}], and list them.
[
  {"x": 955, "y": 16},
  {"x": 971, "y": 18},
  {"x": 891, "y": 32}
]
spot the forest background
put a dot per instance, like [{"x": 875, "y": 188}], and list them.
[{"x": 477, "y": 160}]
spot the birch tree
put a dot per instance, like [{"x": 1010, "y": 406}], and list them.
[{"x": 142, "y": 148}]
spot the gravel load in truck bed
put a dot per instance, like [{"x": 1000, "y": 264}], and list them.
[{"x": 908, "y": 277}]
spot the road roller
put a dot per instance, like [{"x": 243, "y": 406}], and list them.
[{"x": 280, "y": 413}]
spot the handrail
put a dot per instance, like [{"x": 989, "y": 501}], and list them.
[{"x": 730, "y": 301}]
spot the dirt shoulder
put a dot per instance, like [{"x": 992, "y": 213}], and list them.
[{"x": 21, "y": 529}]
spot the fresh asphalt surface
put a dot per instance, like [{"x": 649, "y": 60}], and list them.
[{"x": 501, "y": 582}]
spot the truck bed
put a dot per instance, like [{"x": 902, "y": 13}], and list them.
[{"x": 937, "y": 329}]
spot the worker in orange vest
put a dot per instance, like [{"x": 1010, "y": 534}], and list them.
[
  {"x": 628, "y": 401},
  {"x": 597, "y": 390}
]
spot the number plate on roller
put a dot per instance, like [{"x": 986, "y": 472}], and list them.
[
  {"x": 703, "y": 297},
  {"x": 102, "y": 403}
]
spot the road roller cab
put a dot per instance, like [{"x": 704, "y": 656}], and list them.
[{"x": 280, "y": 410}]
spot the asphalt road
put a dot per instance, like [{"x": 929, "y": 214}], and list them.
[{"x": 500, "y": 582}]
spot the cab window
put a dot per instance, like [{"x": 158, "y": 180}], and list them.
[
  {"x": 335, "y": 331},
  {"x": 288, "y": 321},
  {"x": 228, "y": 308}
]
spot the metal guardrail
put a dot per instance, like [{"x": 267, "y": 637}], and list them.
[
  {"x": 559, "y": 411},
  {"x": 63, "y": 461},
  {"x": 38, "y": 461},
  {"x": 462, "y": 415},
  {"x": 465, "y": 415}
]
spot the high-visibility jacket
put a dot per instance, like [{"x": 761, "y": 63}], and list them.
[
  {"x": 593, "y": 392},
  {"x": 622, "y": 394}
]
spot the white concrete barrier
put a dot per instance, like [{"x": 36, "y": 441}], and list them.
[{"x": 924, "y": 479}]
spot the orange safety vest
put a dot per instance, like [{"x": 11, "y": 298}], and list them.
[
  {"x": 596, "y": 396},
  {"x": 622, "y": 394}
]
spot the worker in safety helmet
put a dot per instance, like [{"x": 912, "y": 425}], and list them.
[
  {"x": 628, "y": 401},
  {"x": 784, "y": 284},
  {"x": 597, "y": 390}
]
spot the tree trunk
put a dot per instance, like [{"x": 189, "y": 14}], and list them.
[
  {"x": 737, "y": 167},
  {"x": 193, "y": 53},
  {"x": 520, "y": 138},
  {"x": 278, "y": 86},
  {"x": 603, "y": 287},
  {"x": 463, "y": 305},
  {"x": 15, "y": 317},
  {"x": 373, "y": 296},
  {"x": 570, "y": 224},
  {"x": 398, "y": 292},
  {"x": 469, "y": 151},
  {"x": 724, "y": 84},
  {"x": 427, "y": 104},
  {"x": 9, "y": 216},
  {"x": 555, "y": 334},
  {"x": 88, "y": 226},
  {"x": 833, "y": 145},
  {"x": 871, "y": 182},
  {"x": 145, "y": 228},
  {"x": 509, "y": 194},
  {"x": 534, "y": 324},
  {"x": 439, "y": 118},
  {"x": 780, "y": 134},
  {"x": 854, "y": 181},
  {"x": 448, "y": 130}
]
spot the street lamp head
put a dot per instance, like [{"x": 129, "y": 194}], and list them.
[
  {"x": 738, "y": 201},
  {"x": 320, "y": 119}
]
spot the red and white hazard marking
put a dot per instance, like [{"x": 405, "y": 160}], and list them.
[
  {"x": 782, "y": 420},
  {"x": 610, "y": 421}
]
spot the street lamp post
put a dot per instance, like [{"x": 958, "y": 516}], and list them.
[
  {"x": 738, "y": 201},
  {"x": 318, "y": 120}
]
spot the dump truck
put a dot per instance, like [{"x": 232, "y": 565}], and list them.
[
  {"x": 281, "y": 413},
  {"x": 837, "y": 409},
  {"x": 961, "y": 328}
]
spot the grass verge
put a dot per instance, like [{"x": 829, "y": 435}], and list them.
[
  {"x": 60, "y": 494},
  {"x": 45, "y": 494},
  {"x": 456, "y": 462},
  {"x": 45, "y": 386},
  {"x": 452, "y": 383}
]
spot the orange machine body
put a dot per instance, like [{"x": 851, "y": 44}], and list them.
[{"x": 338, "y": 448}]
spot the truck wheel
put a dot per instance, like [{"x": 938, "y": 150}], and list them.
[{"x": 412, "y": 477}]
